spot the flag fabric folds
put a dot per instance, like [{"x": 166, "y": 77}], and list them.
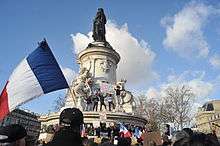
[
  {"x": 124, "y": 131},
  {"x": 37, "y": 74},
  {"x": 137, "y": 133}
]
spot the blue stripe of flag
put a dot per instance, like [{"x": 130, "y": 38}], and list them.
[{"x": 46, "y": 69}]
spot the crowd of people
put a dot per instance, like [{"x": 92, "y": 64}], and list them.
[
  {"x": 187, "y": 137},
  {"x": 71, "y": 132},
  {"x": 113, "y": 130}
]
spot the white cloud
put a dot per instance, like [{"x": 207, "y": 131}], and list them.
[
  {"x": 201, "y": 88},
  {"x": 193, "y": 79},
  {"x": 81, "y": 41},
  {"x": 152, "y": 93},
  {"x": 69, "y": 74},
  {"x": 136, "y": 56},
  {"x": 184, "y": 31},
  {"x": 215, "y": 61}
]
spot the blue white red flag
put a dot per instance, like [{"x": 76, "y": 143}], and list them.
[
  {"x": 37, "y": 74},
  {"x": 83, "y": 131},
  {"x": 124, "y": 130},
  {"x": 137, "y": 132}
]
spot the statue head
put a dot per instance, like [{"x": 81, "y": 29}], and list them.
[
  {"x": 82, "y": 70},
  {"x": 100, "y": 10},
  {"x": 90, "y": 81}
]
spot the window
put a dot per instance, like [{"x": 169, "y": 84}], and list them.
[{"x": 209, "y": 107}]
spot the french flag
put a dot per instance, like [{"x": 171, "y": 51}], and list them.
[
  {"x": 137, "y": 133},
  {"x": 37, "y": 74},
  {"x": 124, "y": 131}
]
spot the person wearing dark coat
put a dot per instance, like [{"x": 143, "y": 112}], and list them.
[
  {"x": 12, "y": 135},
  {"x": 71, "y": 120},
  {"x": 102, "y": 100},
  {"x": 66, "y": 137},
  {"x": 95, "y": 101}
]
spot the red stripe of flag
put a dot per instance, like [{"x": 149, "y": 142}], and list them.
[
  {"x": 127, "y": 134},
  {"x": 4, "y": 109}
]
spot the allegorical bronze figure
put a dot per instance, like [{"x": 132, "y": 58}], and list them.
[{"x": 99, "y": 26}]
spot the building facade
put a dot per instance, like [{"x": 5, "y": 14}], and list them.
[
  {"x": 27, "y": 119},
  {"x": 208, "y": 117}
]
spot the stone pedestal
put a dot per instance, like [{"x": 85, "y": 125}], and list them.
[
  {"x": 96, "y": 117},
  {"x": 101, "y": 60}
]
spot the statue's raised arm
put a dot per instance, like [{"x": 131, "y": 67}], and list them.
[{"x": 99, "y": 26}]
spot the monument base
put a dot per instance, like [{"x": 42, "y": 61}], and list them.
[{"x": 96, "y": 117}]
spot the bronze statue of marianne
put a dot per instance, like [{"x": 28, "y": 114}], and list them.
[{"x": 99, "y": 26}]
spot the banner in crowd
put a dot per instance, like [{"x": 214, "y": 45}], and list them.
[{"x": 107, "y": 88}]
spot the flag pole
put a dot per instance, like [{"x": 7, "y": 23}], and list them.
[{"x": 73, "y": 95}]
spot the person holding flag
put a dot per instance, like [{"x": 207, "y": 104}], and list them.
[{"x": 37, "y": 74}]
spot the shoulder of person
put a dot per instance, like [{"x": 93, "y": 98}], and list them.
[{"x": 48, "y": 144}]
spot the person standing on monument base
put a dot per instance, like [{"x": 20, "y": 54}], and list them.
[
  {"x": 88, "y": 101},
  {"x": 117, "y": 97},
  {"x": 110, "y": 101},
  {"x": 102, "y": 100},
  {"x": 96, "y": 100},
  {"x": 69, "y": 134}
]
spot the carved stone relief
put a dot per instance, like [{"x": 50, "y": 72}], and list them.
[{"x": 105, "y": 65}]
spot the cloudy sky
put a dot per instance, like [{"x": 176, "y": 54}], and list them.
[{"x": 161, "y": 42}]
